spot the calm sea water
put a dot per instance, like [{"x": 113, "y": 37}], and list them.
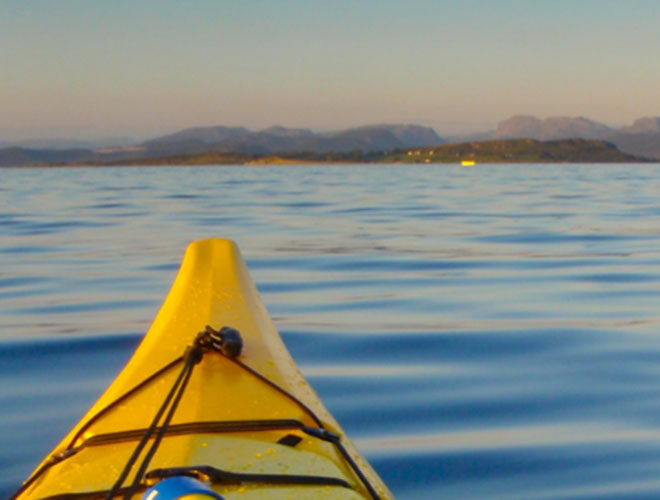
[{"x": 484, "y": 333}]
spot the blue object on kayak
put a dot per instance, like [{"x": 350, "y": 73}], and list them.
[{"x": 177, "y": 487}]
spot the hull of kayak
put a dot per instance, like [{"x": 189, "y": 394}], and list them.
[{"x": 213, "y": 288}]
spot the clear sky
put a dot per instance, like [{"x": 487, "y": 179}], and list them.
[{"x": 138, "y": 68}]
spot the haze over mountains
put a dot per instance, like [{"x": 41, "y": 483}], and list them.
[
  {"x": 642, "y": 138},
  {"x": 281, "y": 139},
  {"x": 60, "y": 143},
  {"x": 553, "y": 128}
]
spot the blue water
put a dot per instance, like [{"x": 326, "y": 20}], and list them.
[{"x": 482, "y": 333}]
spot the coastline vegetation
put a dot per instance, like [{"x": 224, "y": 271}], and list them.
[
  {"x": 518, "y": 151},
  {"x": 493, "y": 151},
  {"x": 497, "y": 151}
]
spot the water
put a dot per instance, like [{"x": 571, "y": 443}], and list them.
[{"x": 485, "y": 333}]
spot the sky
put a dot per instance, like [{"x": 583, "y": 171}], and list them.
[{"x": 141, "y": 68}]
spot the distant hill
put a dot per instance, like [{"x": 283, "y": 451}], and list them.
[
  {"x": 233, "y": 140},
  {"x": 373, "y": 143},
  {"x": 14, "y": 156},
  {"x": 642, "y": 138},
  {"x": 647, "y": 125},
  {"x": 407, "y": 135},
  {"x": 281, "y": 139},
  {"x": 500, "y": 151},
  {"x": 64, "y": 143},
  {"x": 553, "y": 128},
  {"x": 647, "y": 145},
  {"x": 518, "y": 151},
  {"x": 198, "y": 135}
]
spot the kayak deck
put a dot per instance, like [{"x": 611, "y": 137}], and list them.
[{"x": 228, "y": 417}]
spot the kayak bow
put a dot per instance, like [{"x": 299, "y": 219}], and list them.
[{"x": 211, "y": 398}]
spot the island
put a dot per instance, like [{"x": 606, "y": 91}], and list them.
[
  {"x": 466, "y": 153},
  {"x": 477, "y": 152}
]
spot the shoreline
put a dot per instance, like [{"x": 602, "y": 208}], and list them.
[
  {"x": 511, "y": 151},
  {"x": 344, "y": 164}
]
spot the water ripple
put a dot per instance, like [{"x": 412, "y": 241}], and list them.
[{"x": 487, "y": 333}]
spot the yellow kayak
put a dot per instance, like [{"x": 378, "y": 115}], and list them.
[{"x": 211, "y": 405}]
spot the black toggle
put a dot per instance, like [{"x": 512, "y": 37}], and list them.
[
  {"x": 232, "y": 343},
  {"x": 228, "y": 340}
]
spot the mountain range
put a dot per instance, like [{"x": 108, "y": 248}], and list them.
[
  {"x": 223, "y": 139},
  {"x": 642, "y": 138},
  {"x": 281, "y": 139}
]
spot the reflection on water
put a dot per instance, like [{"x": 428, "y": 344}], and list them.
[{"x": 486, "y": 333}]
